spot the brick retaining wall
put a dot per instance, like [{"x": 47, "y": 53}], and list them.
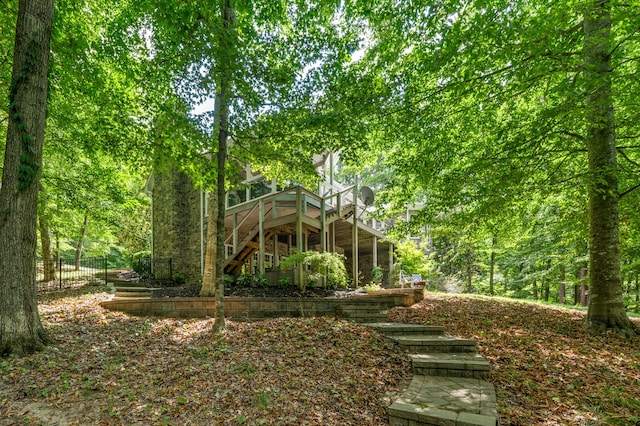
[{"x": 258, "y": 308}]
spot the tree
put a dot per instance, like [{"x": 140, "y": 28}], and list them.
[
  {"x": 213, "y": 280},
  {"x": 267, "y": 64},
  {"x": 606, "y": 308},
  {"x": 489, "y": 103},
  {"x": 21, "y": 331}
]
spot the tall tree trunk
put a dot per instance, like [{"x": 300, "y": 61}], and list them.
[
  {"x": 562, "y": 287},
  {"x": 213, "y": 280},
  {"x": 211, "y": 251},
  {"x": 49, "y": 265},
  {"x": 637, "y": 293},
  {"x": 582, "y": 275},
  {"x": 58, "y": 251},
  {"x": 83, "y": 233},
  {"x": 535, "y": 290},
  {"x": 492, "y": 264},
  {"x": 21, "y": 331},
  {"x": 547, "y": 285},
  {"x": 606, "y": 308}
]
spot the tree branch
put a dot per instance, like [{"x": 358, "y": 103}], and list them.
[
  {"x": 623, "y": 40},
  {"x": 571, "y": 134},
  {"x": 577, "y": 27},
  {"x": 626, "y": 157},
  {"x": 633, "y": 188}
]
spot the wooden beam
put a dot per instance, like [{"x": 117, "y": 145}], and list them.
[
  {"x": 354, "y": 237},
  {"x": 261, "y": 242},
  {"x": 299, "y": 245}
]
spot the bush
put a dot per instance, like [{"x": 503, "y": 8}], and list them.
[
  {"x": 284, "y": 282},
  {"x": 318, "y": 266},
  {"x": 244, "y": 280},
  {"x": 248, "y": 280}
]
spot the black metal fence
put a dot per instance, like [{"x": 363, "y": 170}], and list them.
[
  {"x": 154, "y": 269},
  {"x": 67, "y": 273}
]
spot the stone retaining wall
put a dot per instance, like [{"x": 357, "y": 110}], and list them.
[{"x": 258, "y": 308}]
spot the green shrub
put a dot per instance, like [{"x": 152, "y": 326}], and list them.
[
  {"x": 244, "y": 280},
  {"x": 284, "y": 282},
  {"x": 260, "y": 280},
  {"x": 229, "y": 280},
  {"x": 317, "y": 266},
  {"x": 376, "y": 276}
]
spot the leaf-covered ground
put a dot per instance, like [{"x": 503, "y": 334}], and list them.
[
  {"x": 548, "y": 370},
  {"x": 114, "y": 369}
]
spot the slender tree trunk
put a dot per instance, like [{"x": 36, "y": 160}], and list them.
[
  {"x": 577, "y": 288},
  {"x": 211, "y": 253},
  {"x": 49, "y": 265},
  {"x": 637, "y": 294},
  {"x": 535, "y": 290},
  {"x": 21, "y": 331},
  {"x": 606, "y": 308},
  {"x": 546, "y": 283},
  {"x": 58, "y": 251},
  {"x": 83, "y": 233},
  {"x": 562, "y": 287},
  {"x": 547, "y": 290},
  {"x": 492, "y": 264},
  {"x": 215, "y": 251}
]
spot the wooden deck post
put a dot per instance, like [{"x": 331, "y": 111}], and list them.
[
  {"x": 375, "y": 252},
  {"x": 390, "y": 279},
  {"x": 299, "y": 242},
  {"x": 323, "y": 227},
  {"x": 235, "y": 233},
  {"x": 276, "y": 251},
  {"x": 354, "y": 237},
  {"x": 261, "y": 244}
]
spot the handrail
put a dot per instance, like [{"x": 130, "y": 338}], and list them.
[
  {"x": 269, "y": 197},
  {"x": 256, "y": 203},
  {"x": 250, "y": 206}
]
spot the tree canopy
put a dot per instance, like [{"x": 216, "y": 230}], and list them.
[{"x": 512, "y": 124}]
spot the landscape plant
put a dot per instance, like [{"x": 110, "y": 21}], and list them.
[{"x": 325, "y": 268}]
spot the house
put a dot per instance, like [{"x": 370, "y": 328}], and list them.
[{"x": 265, "y": 222}]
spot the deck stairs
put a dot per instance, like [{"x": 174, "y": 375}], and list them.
[
  {"x": 343, "y": 213},
  {"x": 246, "y": 248}
]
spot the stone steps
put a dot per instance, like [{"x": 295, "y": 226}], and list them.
[
  {"x": 468, "y": 365},
  {"x": 435, "y": 344},
  {"x": 133, "y": 292},
  {"x": 364, "y": 313},
  {"x": 444, "y": 401},
  {"x": 390, "y": 329},
  {"x": 447, "y": 388}
]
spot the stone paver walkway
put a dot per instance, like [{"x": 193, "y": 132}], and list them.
[{"x": 447, "y": 388}]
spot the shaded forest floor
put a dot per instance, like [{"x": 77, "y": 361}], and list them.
[
  {"x": 547, "y": 369},
  {"x": 114, "y": 369}
]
